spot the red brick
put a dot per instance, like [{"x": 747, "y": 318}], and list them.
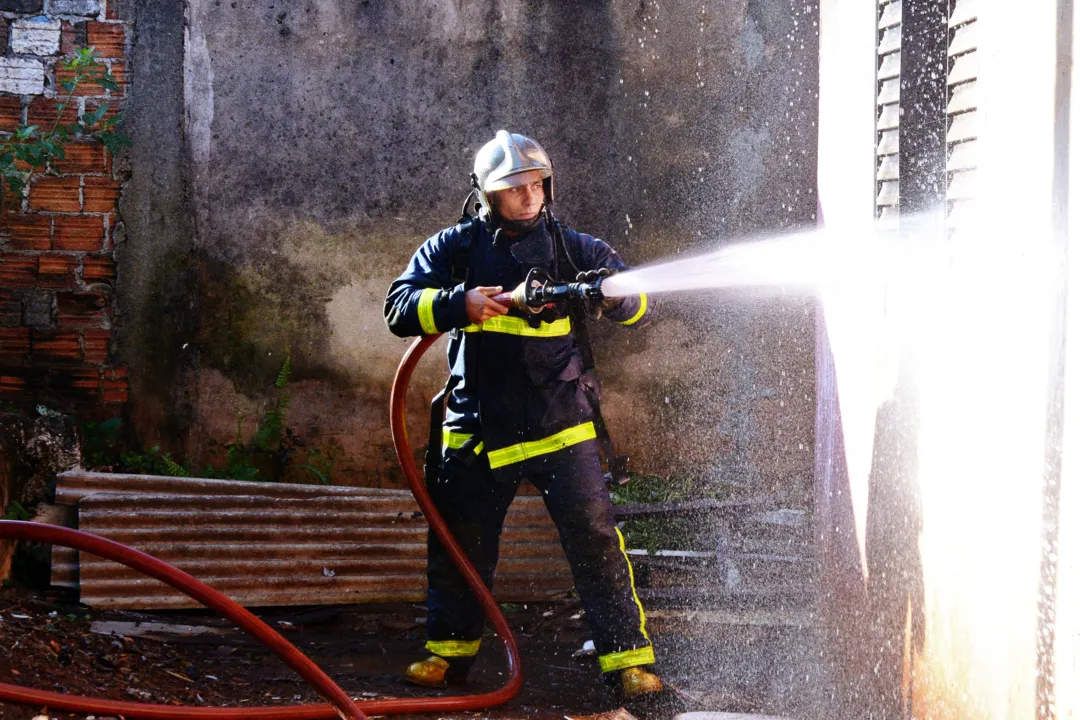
[
  {"x": 85, "y": 88},
  {"x": 27, "y": 232},
  {"x": 80, "y": 309},
  {"x": 82, "y": 158},
  {"x": 96, "y": 345},
  {"x": 84, "y": 380},
  {"x": 56, "y": 271},
  {"x": 106, "y": 38},
  {"x": 98, "y": 268},
  {"x": 10, "y": 113},
  {"x": 114, "y": 391},
  {"x": 58, "y": 194},
  {"x": 57, "y": 345},
  {"x": 12, "y": 386},
  {"x": 18, "y": 270},
  {"x": 69, "y": 37},
  {"x": 100, "y": 194},
  {"x": 116, "y": 373},
  {"x": 10, "y": 308},
  {"x": 84, "y": 233},
  {"x": 42, "y": 112},
  {"x": 14, "y": 346},
  {"x": 116, "y": 105}
]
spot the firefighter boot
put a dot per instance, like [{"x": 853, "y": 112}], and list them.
[
  {"x": 436, "y": 672},
  {"x": 637, "y": 682}
]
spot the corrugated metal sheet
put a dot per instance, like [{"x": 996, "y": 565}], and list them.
[{"x": 273, "y": 544}]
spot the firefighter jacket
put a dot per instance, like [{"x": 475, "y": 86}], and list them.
[{"x": 519, "y": 385}]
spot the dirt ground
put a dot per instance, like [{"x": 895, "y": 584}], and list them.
[{"x": 53, "y": 643}]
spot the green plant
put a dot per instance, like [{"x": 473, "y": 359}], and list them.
[
  {"x": 274, "y": 452},
  {"x": 681, "y": 533},
  {"x": 269, "y": 453},
  {"x": 268, "y": 434},
  {"x": 32, "y": 148},
  {"x": 321, "y": 462},
  {"x": 238, "y": 464},
  {"x": 100, "y": 442},
  {"x": 16, "y": 511},
  {"x": 151, "y": 462}
]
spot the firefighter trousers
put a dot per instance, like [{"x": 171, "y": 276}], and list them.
[{"x": 474, "y": 505}]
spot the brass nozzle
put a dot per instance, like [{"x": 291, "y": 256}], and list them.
[{"x": 519, "y": 301}]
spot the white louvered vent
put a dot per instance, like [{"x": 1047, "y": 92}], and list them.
[
  {"x": 888, "y": 111},
  {"x": 963, "y": 104}
]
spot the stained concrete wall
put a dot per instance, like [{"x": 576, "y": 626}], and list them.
[{"x": 325, "y": 139}]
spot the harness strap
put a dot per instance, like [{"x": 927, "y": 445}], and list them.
[
  {"x": 433, "y": 455},
  {"x": 459, "y": 273},
  {"x": 618, "y": 465}
]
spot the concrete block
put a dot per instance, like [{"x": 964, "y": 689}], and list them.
[
  {"x": 38, "y": 309},
  {"x": 74, "y": 7},
  {"x": 22, "y": 76},
  {"x": 35, "y": 36},
  {"x": 21, "y": 6}
]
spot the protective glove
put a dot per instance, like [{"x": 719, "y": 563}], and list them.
[
  {"x": 596, "y": 308},
  {"x": 592, "y": 275}
]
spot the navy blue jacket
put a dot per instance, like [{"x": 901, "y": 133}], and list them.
[{"x": 517, "y": 382}]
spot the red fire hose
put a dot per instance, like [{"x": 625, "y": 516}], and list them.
[{"x": 341, "y": 704}]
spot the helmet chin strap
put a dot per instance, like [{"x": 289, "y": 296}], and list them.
[{"x": 520, "y": 227}]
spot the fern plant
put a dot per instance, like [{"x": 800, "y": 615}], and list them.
[{"x": 268, "y": 436}]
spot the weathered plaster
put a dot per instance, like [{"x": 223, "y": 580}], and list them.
[{"x": 327, "y": 139}]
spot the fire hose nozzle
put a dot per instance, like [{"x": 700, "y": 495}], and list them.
[{"x": 539, "y": 291}]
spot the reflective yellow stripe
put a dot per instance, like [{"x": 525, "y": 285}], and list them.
[
  {"x": 424, "y": 310},
  {"x": 642, "y": 307},
  {"x": 558, "y": 441},
  {"x": 510, "y": 325},
  {"x": 454, "y": 440},
  {"x": 633, "y": 588},
  {"x": 637, "y": 656},
  {"x": 453, "y": 648},
  {"x": 627, "y": 658}
]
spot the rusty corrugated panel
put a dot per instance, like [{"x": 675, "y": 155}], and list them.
[
  {"x": 74, "y": 485},
  {"x": 283, "y": 544}
]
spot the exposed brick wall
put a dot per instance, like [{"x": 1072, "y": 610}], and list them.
[{"x": 57, "y": 272}]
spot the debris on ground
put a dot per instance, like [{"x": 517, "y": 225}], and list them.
[{"x": 710, "y": 660}]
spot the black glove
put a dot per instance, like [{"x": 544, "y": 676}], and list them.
[
  {"x": 591, "y": 275},
  {"x": 596, "y": 308}
]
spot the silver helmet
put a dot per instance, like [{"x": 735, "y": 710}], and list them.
[{"x": 502, "y": 162}]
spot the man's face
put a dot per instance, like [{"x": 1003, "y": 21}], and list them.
[{"x": 521, "y": 202}]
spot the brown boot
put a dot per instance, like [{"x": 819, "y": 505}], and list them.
[
  {"x": 637, "y": 682},
  {"x": 429, "y": 673}
]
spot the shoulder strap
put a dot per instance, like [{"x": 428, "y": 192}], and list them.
[
  {"x": 467, "y": 231},
  {"x": 566, "y": 271},
  {"x": 618, "y": 465}
]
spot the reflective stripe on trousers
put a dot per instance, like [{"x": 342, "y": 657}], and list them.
[
  {"x": 453, "y": 648},
  {"x": 525, "y": 450}
]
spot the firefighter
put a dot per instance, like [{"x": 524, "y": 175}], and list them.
[{"x": 521, "y": 403}]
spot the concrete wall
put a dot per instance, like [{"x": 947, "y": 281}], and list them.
[{"x": 325, "y": 139}]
